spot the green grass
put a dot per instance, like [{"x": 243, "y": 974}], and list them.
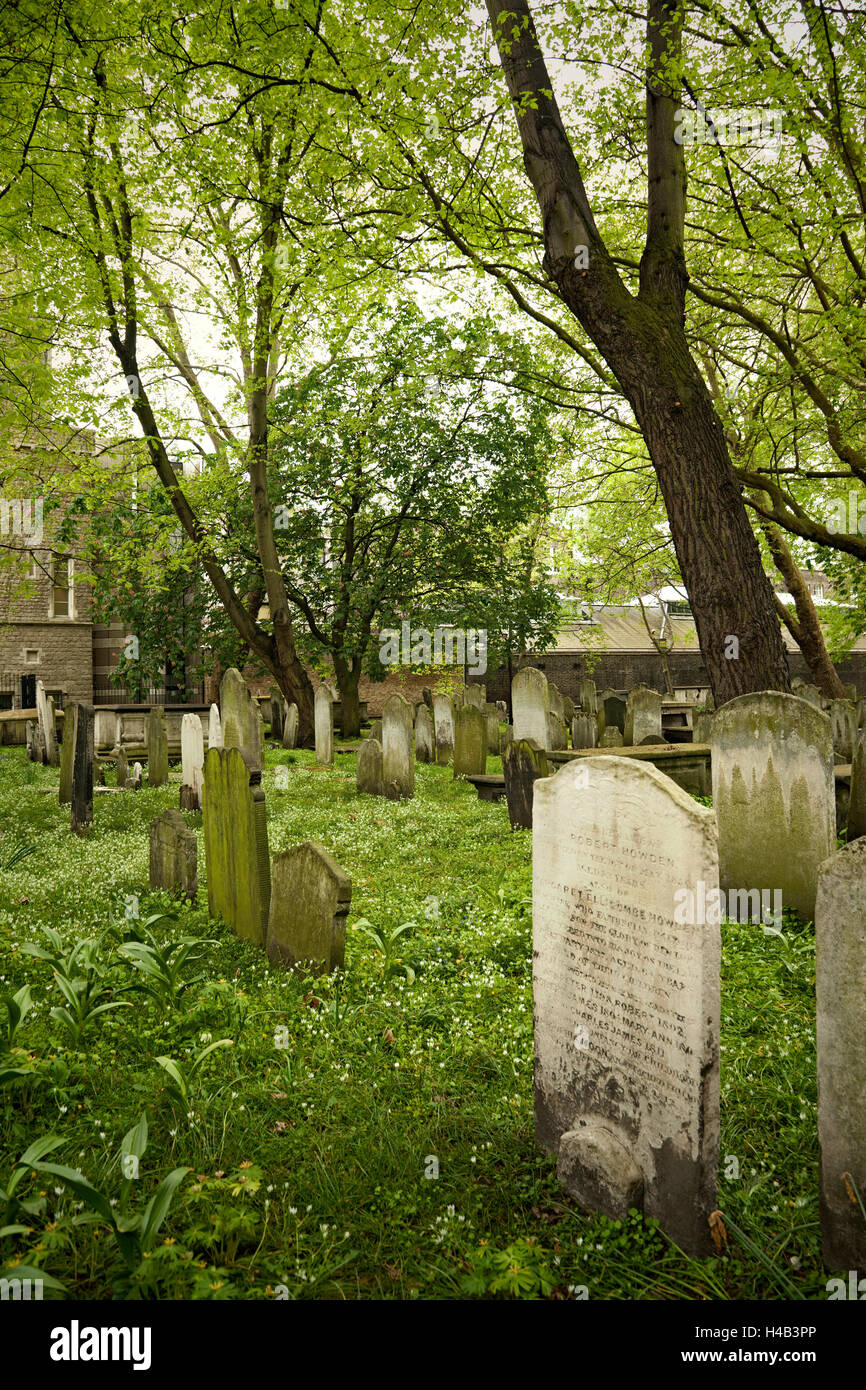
[{"x": 309, "y": 1161}]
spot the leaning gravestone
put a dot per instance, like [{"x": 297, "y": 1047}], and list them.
[
  {"x": 857, "y": 799},
  {"x": 626, "y": 995},
  {"x": 643, "y": 718},
  {"x": 67, "y": 753},
  {"x": 236, "y": 845},
  {"x": 476, "y": 695},
  {"x": 192, "y": 761},
  {"x": 522, "y": 762},
  {"x": 470, "y": 742},
  {"x": 82, "y": 770},
  {"x": 290, "y": 726},
  {"x": 157, "y": 748},
  {"x": 310, "y": 901},
  {"x": 443, "y": 728},
  {"x": 587, "y": 697},
  {"x": 324, "y": 727},
  {"x": 424, "y": 750},
  {"x": 840, "y": 983},
  {"x": 398, "y": 748},
  {"x": 611, "y": 737},
  {"x": 368, "y": 772},
  {"x": 611, "y": 712},
  {"x": 584, "y": 731},
  {"x": 46, "y": 724},
  {"x": 530, "y": 704},
  {"x": 843, "y": 719},
  {"x": 557, "y": 733},
  {"x": 173, "y": 856},
  {"x": 772, "y": 768},
  {"x": 214, "y": 729}
]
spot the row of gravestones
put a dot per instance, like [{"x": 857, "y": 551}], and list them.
[
  {"x": 630, "y": 879},
  {"x": 600, "y": 719},
  {"x": 441, "y": 732}
]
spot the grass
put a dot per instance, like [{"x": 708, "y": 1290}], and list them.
[{"x": 363, "y": 1136}]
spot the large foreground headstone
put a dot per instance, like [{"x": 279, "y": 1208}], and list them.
[
  {"x": 840, "y": 982},
  {"x": 290, "y": 726},
  {"x": 236, "y": 844},
  {"x": 45, "y": 711},
  {"x": 643, "y": 716},
  {"x": 424, "y": 749},
  {"x": 398, "y": 748},
  {"x": 310, "y": 901},
  {"x": 324, "y": 727},
  {"x": 368, "y": 772},
  {"x": 192, "y": 761},
  {"x": 522, "y": 762},
  {"x": 626, "y": 996},
  {"x": 173, "y": 855},
  {"x": 157, "y": 748},
  {"x": 530, "y": 705},
  {"x": 443, "y": 728},
  {"x": 470, "y": 742},
  {"x": 67, "y": 753},
  {"x": 82, "y": 770},
  {"x": 773, "y": 795}
]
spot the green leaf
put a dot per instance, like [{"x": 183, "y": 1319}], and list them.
[{"x": 157, "y": 1208}]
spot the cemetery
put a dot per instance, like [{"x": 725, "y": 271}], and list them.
[{"x": 432, "y": 657}]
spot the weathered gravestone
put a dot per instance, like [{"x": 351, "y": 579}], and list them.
[
  {"x": 857, "y": 799},
  {"x": 192, "y": 761},
  {"x": 850, "y": 691},
  {"x": 470, "y": 742},
  {"x": 522, "y": 762},
  {"x": 310, "y": 901},
  {"x": 214, "y": 729},
  {"x": 493, "y": 733},
  {"x": 45, "y": 711},
  {"x": 861, "y": 713},
  {"x": 240, "y": 717},
  {"x": 121, "y": 768},
  {"x": 324, "y": 727},
  {"x": 67, "y": 753},
  {"x": 33, "y": 740},
  {"x": 398, "y": 748},
  {"x": 643, "y": 717},
  {"x": 82, "y": 770},
  {"x": 236, "y": 844},
  {"x": 587, "y": 697},
  {"x": 611, "y": 737},
  {"x": 157, "y": 748},
  {"x": 557, "y": 734},
  {"x": 569, "y": 710},
  {"x": 584, "y": 731},
  {"x": 290, "y": 726},
  {"x": 137, "y": 774},
  {"x": 105, "y": 733},
  {"x": 611, "y": 712},
  {"x": 506, "y": 737},
  {"x": 443, "y": 728},
  {"x": 556, "y": 700},
  {"x": 368, "y": 772},
  {"x": 840, "y": 983},
  {"x": 626, "y": 996},
  {"x": 476, "y": 695},
  {"x": 376, "y": 730},
  {"x": 772, "y": 768},
  {"x": 276, "y": 713},
  {"x": 810, "y": 693},
  {"x": 530, "y": 704},
  {"x": 173, "y": 855},
  {"x": 702, "y": 727},
  {"x": 843, "y": 720},
  {"x": 424, "y": 750}
]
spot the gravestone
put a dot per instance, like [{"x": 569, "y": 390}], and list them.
[
  {"x": 82, "y": 770},
  {"x": 67, "y": 753},
  {"x": 840, "y": 985},
  {"x": 214, "y": 729},
  {"x": 324, "y": 727},
  {"x": 522, "y": 763},
  {"x": 157, "y": 748},
  {"x": 493, "y": 734},
  {"x": 424, "y": 750},
  {"x": 530, "y": 704},
  {"x": 310, "y": 901},
  {"x": 850, "y": 691},
  {"x": 173, "y": 856},
  {"x": 45, "y": 712},
  {"x": 443, "y": 728},
  {"x": 611, "y": 737},
  {"x": 584, "y": 731},
  {"x": 611, "y": 712},
  {"x": 557, "y": 734},
  {"x": 240, "y": 717},
  {"x": 843, "y": 720},
  {"x": 857, "y": 800},
  {"x": 192, "y": 761},
  {"x": 626, "y": 994},
  {"x": 568, "y": 710},
  {"x": 105, "y": 733},
  {"x": 470, "y": 742},
  {"x": 427, "y": 697},
  {"x": 137, "y": 774},
  {"x": 556, "y": 700},
  {"x": 702, "y": 727},
  {"x": 276, "y": 713},
  {"x": 506, "y": 737},
  {"x": 772, "y": 768},
  {"x": 810, "y": 693},
  {"x": 587, "y": 697},
  {"x": 476, "y": 695},
  {"x": 368, "y": 772},
  {"x": 236, "y": 844},
  {"x": 121, "y": 768},
  {"x": 398, "y": 748},
  {"x": 290, "y": 726},
  {"x": 643, "y": 717},
  {"x": 33, "y": 740},
  {"x": 376, "y": 730}
]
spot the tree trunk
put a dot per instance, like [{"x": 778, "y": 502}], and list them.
[
  {"x": 348, "y": 681},
  {"x": 806, "y": 631}
]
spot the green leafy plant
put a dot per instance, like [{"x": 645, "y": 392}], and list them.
[
  {"x": 14, "y": 1061},
  {"x": 81, "y": 979},
  {"x": 182, "y": 1078},
  {"x": 20, "y": 850},
  {"x": 388, "y": 946},
  {"x": 162, "y": 966},
  {"x": 520, "y": 1270}
]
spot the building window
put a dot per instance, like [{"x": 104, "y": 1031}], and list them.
[
  {"x": 61, "y": 588},
  {"x": 31, "y": 656}
]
